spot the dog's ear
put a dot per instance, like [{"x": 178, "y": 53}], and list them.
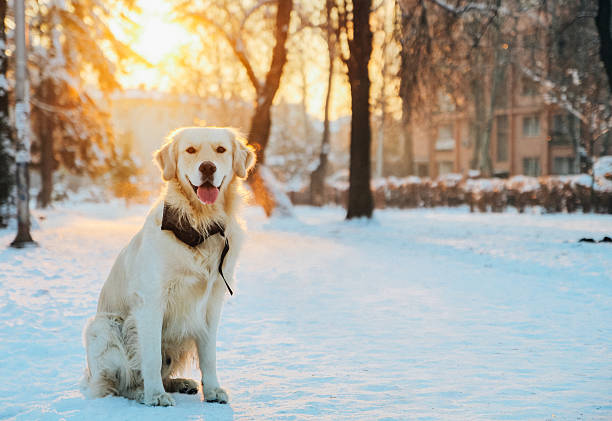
[
  {"x": 244, "y": 156},
  {"x": 166, "y": 159}
]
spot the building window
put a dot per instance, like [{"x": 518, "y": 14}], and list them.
[
  {"x": 445, "y": 167},
  {"x": 531, "y": 167},
  {"x": 529, "y": 87},
  {"x": 445, "y": 102},
  {"x": 531, "y": 126},
  {"x": 565, "y": 128},
  {"x": 422, "y": 169},
  {"x": 563, "y": 165},
  {"x": 502, "y": 138},
  {"x": 445, "y": 140}
]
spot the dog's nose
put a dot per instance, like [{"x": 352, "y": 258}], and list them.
[{"x": 207, "y": 168}]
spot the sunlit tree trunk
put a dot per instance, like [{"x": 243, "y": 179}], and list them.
[
  {"x": 6, "y": 158},
  {"x": 305, "y": 118},
  {"x": 360, "y": 202},
  {"x": 44, "y": 129},
  {"x": 380, "y": 141},
  {"x": 259, "y": 132}
]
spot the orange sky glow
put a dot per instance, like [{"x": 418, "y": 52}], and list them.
[{"x": 158, "y": 39}]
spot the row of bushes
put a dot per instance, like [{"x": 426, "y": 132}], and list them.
[{"x": 552, "y": 193}]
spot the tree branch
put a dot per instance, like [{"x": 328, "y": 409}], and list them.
[
  {"x": 253, "y": 9},
  {"x": 237, "y": 46},
  {"x": 470, "y": 7}
]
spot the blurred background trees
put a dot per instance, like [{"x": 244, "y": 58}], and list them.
[
  {"x": 74, "y": 59},
  {"x": 6, "y": 140},
  {"x": 331, "y": 92}
]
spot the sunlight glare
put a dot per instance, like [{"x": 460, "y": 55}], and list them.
[{"x": 159, "y": 38}]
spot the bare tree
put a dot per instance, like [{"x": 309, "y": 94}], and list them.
[
  {"x": 415, "y": 53},
  {"x": 259, "y": 134},
  {"x": 231, "y": 27},
  {"x": 385, "y": 32},
  {"x": 567, "y": 76},
  {"x": 429, "y": 59},
  {"x": 488, "y": 56},
  {"x": 354, "y": 28},
  {"x": 317, "y": 177},
  {"x": 72, "y": 47}
]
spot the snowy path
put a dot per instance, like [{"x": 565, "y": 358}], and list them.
[{"x": 434, "y": 314}]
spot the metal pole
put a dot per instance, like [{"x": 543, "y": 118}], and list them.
[{"x": 22, "y": 127}]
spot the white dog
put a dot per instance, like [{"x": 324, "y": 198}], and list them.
[{"x": 161, "y": 303}]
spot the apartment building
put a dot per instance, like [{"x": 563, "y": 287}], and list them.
[{"x": 528, "y": 136}]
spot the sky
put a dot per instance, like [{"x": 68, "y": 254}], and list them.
[{"x": 157, "y": 38}]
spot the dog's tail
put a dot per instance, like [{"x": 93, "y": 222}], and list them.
[{"x": 112, "y": 360}]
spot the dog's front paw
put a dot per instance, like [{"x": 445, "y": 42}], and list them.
[
  {"x": 216, "y": 394},
  {"x": 159, "y": 399}
]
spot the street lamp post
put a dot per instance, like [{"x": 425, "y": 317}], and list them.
[{"x": 22, "y": 127}]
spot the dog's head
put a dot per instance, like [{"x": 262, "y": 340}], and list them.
[{"x": 204, "y": 160}]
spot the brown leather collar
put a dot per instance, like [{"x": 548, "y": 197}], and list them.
[{"x": 192, "y": 237}]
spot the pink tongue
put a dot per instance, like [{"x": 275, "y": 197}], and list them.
[{"x": 208, "y": 194}]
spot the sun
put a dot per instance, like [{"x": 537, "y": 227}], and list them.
[{"x": 157, "y": 39}]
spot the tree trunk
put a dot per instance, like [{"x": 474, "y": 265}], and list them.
[
  {"x": 360, "y": 202},
  {"x": 380, "y": 141},
  {"x": 602, "y": 21},
  {"x": 305, "y": 118},
  {"x": 407, "y": 148},
  {"x": 259, "y": 132},
  {"x": 499, "y": 63},
  {"x": 6, "y": 143},
  {"x": 415, "y": 49},
  {"x": 406, "y": 94},
  {"x": 479, "y": 119},
  {"x": 380, "y": 144},
  {"x": 317, "y": 177},
  {"x": 44, "y": 128}
]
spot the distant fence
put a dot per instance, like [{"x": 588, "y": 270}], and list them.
[{"x": 552, "y": 193}]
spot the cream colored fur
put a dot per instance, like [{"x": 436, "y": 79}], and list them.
[{"x": 160, "y": 306}]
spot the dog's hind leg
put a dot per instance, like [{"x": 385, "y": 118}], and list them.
[{"x": 107, "y": 363}]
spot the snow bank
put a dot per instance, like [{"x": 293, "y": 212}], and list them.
[
  {"x": 602, "y": 172},
  {"x": 553, "y": 193}
]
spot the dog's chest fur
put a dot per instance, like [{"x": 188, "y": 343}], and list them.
[{"x": 190, "y": 291}]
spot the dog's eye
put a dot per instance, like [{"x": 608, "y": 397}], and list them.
[
  {"x": 191, "y": 149},
  {"x": 220, "y": 149}
]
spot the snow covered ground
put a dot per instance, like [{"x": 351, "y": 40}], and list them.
[{"x": 421, "y": 314}]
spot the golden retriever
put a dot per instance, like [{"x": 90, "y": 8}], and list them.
[{"x": 160, "y": 306}]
